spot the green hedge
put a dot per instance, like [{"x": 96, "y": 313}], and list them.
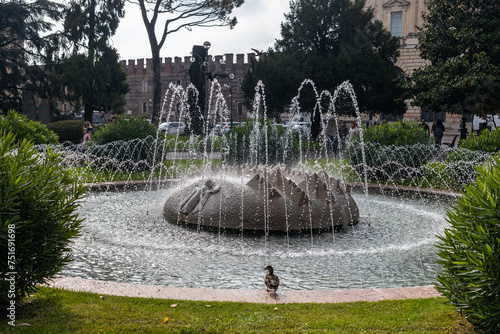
[
  {"x": 392, "y": 151},
  {"x": 37, "y": 217},
  {"x": 486, "y": 142},
  {"x": 474, "y": 151},
  {"x": 127, "y": 144},
  {"x": 469, "y": 251},
  {"x": 67, "y": 130},
  {"x": 23, "y": 128}
]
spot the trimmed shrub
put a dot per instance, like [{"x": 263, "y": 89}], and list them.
[
  {"x": 474, "y": 151},
  {"x": 67, "y": 130},
  {"x": 392, "y": 151},
  {"x": 124, "y": 129},
  {"x": 37, "y": 217},
  {"x": 469, "y": 251},
  {"x": 247, "y": 143},
  {"x": 486, "y": 142},
  {"x": 127, "y": 144},
  {"x": 23, "y": 128}
]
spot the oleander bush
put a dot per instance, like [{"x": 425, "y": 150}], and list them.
[
  {"x": 469, "y": 251},
  {"x": 392, "y": 151},
  {"x": 247, "y": 143},
  {"x": 67, "y": 130},
  {"x": 23, "y": 128},
  {"x": 127, "y": 144},
  {"x": 38, "y": 219}
]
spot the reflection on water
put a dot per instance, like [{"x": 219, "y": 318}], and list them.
[{"x": 126, "y": 239}]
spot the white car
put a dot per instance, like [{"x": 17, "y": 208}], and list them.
[{"x": 172, "y": 128}]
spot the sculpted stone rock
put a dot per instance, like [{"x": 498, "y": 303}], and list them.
[{"x": 262, "y": 199}]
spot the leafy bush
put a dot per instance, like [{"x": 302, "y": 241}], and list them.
[
  {"x": 67, "y": 130},
  {"x": 461, "y": 164},
  {"x": 124, "y": 129},
  {"x": 391, "y": 150},
  {"x": 247, "y": 143},
  {"x": 486, "y": 142},
  {"x": 37, "y": 216},
  {"x": 476, "y": 150},
  {"x": 23, "y": 128},
  {"x": 127, "y": 144},
  {"x": 469, "y": 251}
]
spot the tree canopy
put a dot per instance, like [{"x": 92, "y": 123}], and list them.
[
  {"x": 22, "y": 49},
  {"x": 460, "y": 39},
  {"x": 177, "y": 15},
  {"x": 91, "y": 75},
  {"x": 329, "y": 42}
]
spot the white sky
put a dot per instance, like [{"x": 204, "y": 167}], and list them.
[{"x": 258, "y": 27}]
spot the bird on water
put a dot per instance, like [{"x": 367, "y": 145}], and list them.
[{"x": 272, "y": 281}]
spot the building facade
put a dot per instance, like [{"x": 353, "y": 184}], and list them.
[{"x": 401, "y": 18}]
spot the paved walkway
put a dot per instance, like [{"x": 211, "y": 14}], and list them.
[{"x": 248, "y": 296}]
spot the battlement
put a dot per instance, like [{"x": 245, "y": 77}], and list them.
[{"x": 221, "y": 64}]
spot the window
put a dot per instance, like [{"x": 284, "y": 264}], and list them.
[
  {"x": 240, "y": 109},
  {"x": 144, "y": 86},
  {"x": 144, "y": 107},
  {"x": 397, "y": 24}
]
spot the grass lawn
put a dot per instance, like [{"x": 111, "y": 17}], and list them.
[{"x": 59, "y": 311}]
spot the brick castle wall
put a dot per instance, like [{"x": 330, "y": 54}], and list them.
[{"x": 176, "y": 70}]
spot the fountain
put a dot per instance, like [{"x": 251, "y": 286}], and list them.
[
  {"x": 140, "y": 236},
  {"x": 261, "y": 198}
]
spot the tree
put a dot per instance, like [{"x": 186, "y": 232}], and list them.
[
  {"x": 180, "y": 14},
  {"x": 330, "y": 41},
  {"x": 460, "y": 40},
  {"x": 94, "y": 78},
  {"x": 22, "y": 46}
]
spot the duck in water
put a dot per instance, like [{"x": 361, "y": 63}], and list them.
[{"x": 272, "y": 281}]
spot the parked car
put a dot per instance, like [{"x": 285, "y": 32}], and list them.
[
  {"x": 224, "y": 127},
  {"x": 302, "y": 129},
  {"x": 172, "y": 128}
]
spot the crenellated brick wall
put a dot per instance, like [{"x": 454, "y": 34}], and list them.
[{"x": 176, "y": 70}]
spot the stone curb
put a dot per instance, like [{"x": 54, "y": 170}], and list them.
[{"x": 243, "y": 296}]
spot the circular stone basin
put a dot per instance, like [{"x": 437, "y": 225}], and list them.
[{"x": 126, "y": 239}]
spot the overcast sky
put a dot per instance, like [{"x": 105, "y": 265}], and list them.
[{"x": 258, "y": 27}]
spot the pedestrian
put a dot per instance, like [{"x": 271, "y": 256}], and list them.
[
  {"x": 352, "y": 131},
  {"x": 88, "y": 126},
  {"x": 426, "y": 128},
  {"x": 463, "y": 129},
  {"x": 85, "y": 140},
  {"x": 438, "y": 131}
]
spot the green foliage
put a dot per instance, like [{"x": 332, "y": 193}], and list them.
[
  {"x": 67, "y": 130},
  {"x": 93, "y": 77},
  {"x": 487, "y": 142},
  {"x": 128, "y": 143},
  {"x": 25, "y": 21},
  {"x": 473, "y": 151},
  {"x": 469, "y": 251},
  {"x": 460, "y": 40},
  {"x": 23, "y": 128},
  {"x": 247, "y": 143},
  {"x": 124, "y": 129},
  {"x": 391, "y": 150},
  {"x": 329, "y": 42},
  {"x": 37, "y": 215}
]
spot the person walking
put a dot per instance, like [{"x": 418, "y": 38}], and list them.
[
  {"x": 426, "y": 128},
  {"x": 438, "y": 131},
  {"x": 85, "y": 140}
]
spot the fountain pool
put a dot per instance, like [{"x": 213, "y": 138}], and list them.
[{"x": 126, "y": 239}]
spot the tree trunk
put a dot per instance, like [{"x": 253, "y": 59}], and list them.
[{"x": 156, "y": 115}]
